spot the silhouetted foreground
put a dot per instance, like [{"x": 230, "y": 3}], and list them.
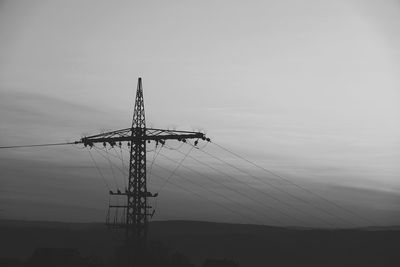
[
  {"x": 219, "y": 263},
  {"x": 48, "y": 257},
  {"x": 203, "y": 244},
  {"x": 156, "y": 256}
]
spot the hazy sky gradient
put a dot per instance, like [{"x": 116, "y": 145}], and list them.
[{"x": 310, "y": 89}]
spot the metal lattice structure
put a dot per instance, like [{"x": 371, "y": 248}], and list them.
[{"x": 136, "y": 210}]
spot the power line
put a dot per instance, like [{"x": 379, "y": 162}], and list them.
[
  {"x": 110, "y": 162},
  {"x": 112, "y": 169},
  {"x": 98, "y": 169},
  {"x": 99, "y": 151},
  {"x": 298, "y": 186},
  {"x": 221, "y": 184},
  {"x": 259, "y": 202},
  {"x": 201, "y": 186},
  {"x": 283, "y": 191},
  {"x": 207, "y": 199},
  {"x": 154, "y": 158},
  {"x": 122, "y": 163},
  {"x": 176, "y": 168},
  {"x": 39, "y": 145}
]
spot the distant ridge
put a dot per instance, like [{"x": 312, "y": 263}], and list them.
[
  {"x": 250, "y": 245},
  {"x": 186, "y": 222}
]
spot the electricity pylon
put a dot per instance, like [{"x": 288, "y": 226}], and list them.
[{"x": 136, "y": 208}]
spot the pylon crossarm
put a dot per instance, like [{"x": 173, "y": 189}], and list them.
[
  {"x": 128, "y": 135},
  {"x": 126, "y": 193},
  {"x": 161, "y": 134}
]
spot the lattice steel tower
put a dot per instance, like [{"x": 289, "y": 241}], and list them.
[
  {"x": 136, "y": 209},
  {"x": 136, "y": 214}
]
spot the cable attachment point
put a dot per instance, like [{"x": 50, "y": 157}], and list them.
[
  {"x": 87, "y": 143},
  {"x": 152, "y": 214}
]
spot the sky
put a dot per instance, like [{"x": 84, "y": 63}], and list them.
[{"x": 309, "y": 90}]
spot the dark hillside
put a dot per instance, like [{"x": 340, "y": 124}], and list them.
[{"x": 250, "y": 245}]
